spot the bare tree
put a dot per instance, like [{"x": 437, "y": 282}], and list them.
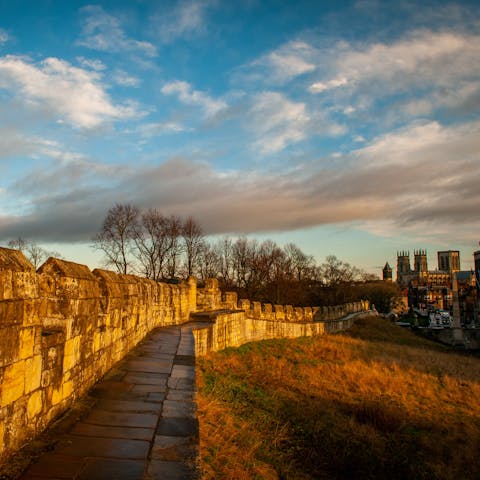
[
  {"x": 116, "y": 236},
  {"x": 152, "y": 243},
  {"x": 300, "y": 265},
  {"x": 336, "y": 272},
  {"x": 192, "y": 235},
  {"x": 210, "y": 261}
]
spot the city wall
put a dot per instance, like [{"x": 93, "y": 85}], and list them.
[{"x": 63, "y": 327}]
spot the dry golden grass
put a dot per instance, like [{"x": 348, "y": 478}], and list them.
[{"x": 375, "y": 402}]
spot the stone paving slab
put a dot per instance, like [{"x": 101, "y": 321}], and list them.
[
  {"x": 143, "y": 425},
  {"x": 181, "y": 383},
  {"x": 78, "y": 446},
  {"x": 147, "y": 389},
  {"x": 178, "y": 427},
  {"x": 115, "y": 469},
  {"x": 128, "y": 406},
  {"x": 117, "y": 419},
  {"x": 132, "y": 433},
  {"x": 147, "y": 378},
  {"x": 181, "y": 395},
  {"x": 149, "y": 367},
  {"x": 177, "y": 409},
  {"x": 53, "y": 465}
]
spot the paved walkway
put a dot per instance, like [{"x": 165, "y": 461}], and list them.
[{"x": 143, "y": 426}]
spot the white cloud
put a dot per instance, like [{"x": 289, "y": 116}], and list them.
[
  {"x": 187, "y": 95},
  {"x": 149, "y": 130},
  {"x": 14, "y": 143},
  {"x": 124, "y": 79},
  {"x": 104, "y": 32},
  {"x": 422, "y": 58},
  {"x": 91, "y": 63},
  {"x": 67, "y": 92},
  {"x": 319, "y": 87},
  {"x": 282, "y": 65},
  {"x": 429, "y": 142},
  {"x": 186, "y": 18},
  {"x": 278, "y": 122},
  {"x": 287, "y": 62}
]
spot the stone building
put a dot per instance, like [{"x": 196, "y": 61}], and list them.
[{"x": 429, "y": 290}]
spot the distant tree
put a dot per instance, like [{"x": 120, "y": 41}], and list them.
[
  {"x": 116, "y": 237},
  {"x": 210, "y": 261},
  {"x": 34, "y": 252},
  {"x": 300, "y": 265},
  {"x": 152, "y": 243},
  {"x": 192, "y": 235},
  {"x": 336, "y": 272}
]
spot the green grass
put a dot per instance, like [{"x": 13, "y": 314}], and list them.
[{"x": 374, "y": 402}]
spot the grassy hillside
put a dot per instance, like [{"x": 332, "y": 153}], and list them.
[{"x": 373, "y": 403}]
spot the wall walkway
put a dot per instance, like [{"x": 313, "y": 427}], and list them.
[{"x": 143, "y": 425}]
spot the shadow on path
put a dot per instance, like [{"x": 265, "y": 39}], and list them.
[{"x": 143, "y": 425}]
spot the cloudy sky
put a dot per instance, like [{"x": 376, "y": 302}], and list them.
[{"x": 349, "y": 128}]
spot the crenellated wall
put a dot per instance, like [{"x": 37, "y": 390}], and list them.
[
  {"x": 232, "y": 328},
  {"x": 63, "y": 327}
]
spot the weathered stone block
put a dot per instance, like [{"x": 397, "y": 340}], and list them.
[
  {"x": 13, "y": 385},
  {"x": 34, "y": 405},
  {"x": 33, "y": 373},
  {"x": 71, "y": 353},
  {"x": 11, "y": 312},
  {"x": 27, "y": 342}
]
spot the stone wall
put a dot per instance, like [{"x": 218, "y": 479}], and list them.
[
  {"x": 63, "y": 327},
  {"x": 232, "y": 328}
]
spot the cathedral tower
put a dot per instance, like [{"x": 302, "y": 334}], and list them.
[
  {"x": 403, "y": 265},
  {"x": 420, "y": 262}
]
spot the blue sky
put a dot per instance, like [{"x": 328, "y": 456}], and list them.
[{"x": 349, "y": 128}]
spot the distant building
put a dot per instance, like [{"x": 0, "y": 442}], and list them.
[
  {"x": 432, "y": 289},
  {"x": 420, "y": 273},
  {"x": 387, "y": 273}
]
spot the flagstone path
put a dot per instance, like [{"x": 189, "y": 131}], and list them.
[{"x": 143, "y": 425}]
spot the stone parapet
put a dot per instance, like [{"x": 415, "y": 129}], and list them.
[{"x": 234, "y": 328}]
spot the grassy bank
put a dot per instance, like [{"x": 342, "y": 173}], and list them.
[{"x": 376, "y": 402}]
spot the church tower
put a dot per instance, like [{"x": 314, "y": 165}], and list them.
[
  {"x": 387, "y": 273},
  {"x": 403, "y": 265},
  {"x": 420, "y": 263}
]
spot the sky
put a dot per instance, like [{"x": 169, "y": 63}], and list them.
[{"x": 350, "y": 128}]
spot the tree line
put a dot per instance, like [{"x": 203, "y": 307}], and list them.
[{"x": 161, "y": 247}]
